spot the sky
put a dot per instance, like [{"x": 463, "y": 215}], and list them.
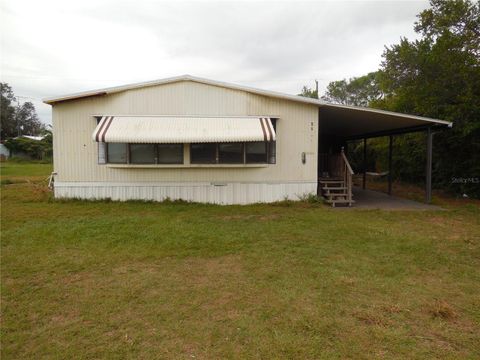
[{"x": 52, "y": 48}]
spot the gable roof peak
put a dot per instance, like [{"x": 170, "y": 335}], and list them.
[{"x": 185, "y": 77}]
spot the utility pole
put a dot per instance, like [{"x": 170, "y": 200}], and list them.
[
  {"x": 19, "y": 129},
  {"x": 428, "y": 175},
  {"x": 18, "y": 117},
  {"x": 316, "y": 87}
]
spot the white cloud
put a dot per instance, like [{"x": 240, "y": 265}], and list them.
[{"x": 55, "y": 47}]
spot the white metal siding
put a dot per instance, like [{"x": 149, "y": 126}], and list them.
[
  {"x": 76, "y": 155},
  {"x": 224, "y": 194}
]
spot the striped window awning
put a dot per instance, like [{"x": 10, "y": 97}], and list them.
[{"x": 183, "y": 129}]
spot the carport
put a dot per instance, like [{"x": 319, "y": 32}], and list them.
[{"x": 339, "y": 124}]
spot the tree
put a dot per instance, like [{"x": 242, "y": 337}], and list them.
[
  {"x": 17, "y": 121},
  {"x": 357, "y": 91},
  {"x": 438, "y": 76},
  {"x": 7, "y": 111},
  {"x": 28, "y": 119},
  {"x": 37, "y": 149},
  {"x": 309, "y": 92},
  {"x": 47, "y": 142}
]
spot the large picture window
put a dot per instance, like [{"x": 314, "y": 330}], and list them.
[
  {"x": 205, "y": 153},
  {"x": 241, "y": 152},
  {"x": 230, "y": 153},
  {"x": 256, "y": 152},
  {"x": 170, "y": 153},
  {"x": 117, "y": 153},
  {"x": 143, "y": 154}
]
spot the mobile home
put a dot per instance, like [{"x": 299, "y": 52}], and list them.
[{"x": 207, "y": 141}]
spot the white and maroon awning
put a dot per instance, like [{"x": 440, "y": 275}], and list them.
[{"x": 183, "y": 129}]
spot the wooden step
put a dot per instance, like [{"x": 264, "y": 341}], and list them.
[
  {"x": 344, "y": 201},
  {"x": 338, "y": 198},
  {"x": 330, "y": 195},
  {"x": 334, "y": 202},
  {"x": 334, "y": 188},
  {"x": 327, "y": 182},
  {"x": 336, "y": 195}
]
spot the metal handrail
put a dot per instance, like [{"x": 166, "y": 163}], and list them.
[
  {"x": 51, "y": 180},
  {"x": 347, "y": 175},
  {"x": 346, "y": 162}
]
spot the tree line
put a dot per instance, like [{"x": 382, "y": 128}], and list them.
[
  {"x": 21, "y": 119},
  {"x": 436, "y": 76},
  {"x": 17, "y": 120}
]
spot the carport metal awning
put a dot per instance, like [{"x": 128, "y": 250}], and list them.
[
  {"x": 353, "y": 122},
  {"x": 183, "y": 129}
]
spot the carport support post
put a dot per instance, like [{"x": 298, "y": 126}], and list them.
[
  {"x": 428, "y": 182},
  {"x": 364, "y": 163},
  {"x": 390, "y": 148}
]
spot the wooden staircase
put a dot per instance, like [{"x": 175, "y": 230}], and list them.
[
  {"x": 338, "y": 188},
  {"x": 335, "y": 192}
]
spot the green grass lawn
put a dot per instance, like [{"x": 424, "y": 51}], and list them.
[
  {"x": 21, "y": 171},
  {"x": 283, "y": 281}
]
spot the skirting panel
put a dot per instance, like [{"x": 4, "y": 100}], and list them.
[{"x": 224, "y": 193}]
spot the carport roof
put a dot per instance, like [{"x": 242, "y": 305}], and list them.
[
  {"x": 355, "y": 122},
  {"x": 341, "y": 120}
]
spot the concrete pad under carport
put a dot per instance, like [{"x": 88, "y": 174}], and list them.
[{"x": 369, "y": 199}]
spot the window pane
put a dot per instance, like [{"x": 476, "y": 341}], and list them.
[
  {"x": 272, "y": 145},
  {"x": 142, "y": 153},
  {"x": 256, "y": 152},
  {"x": 117, "y": 153},
  {"x": 272, "y": 152},
  {"x": 203, "y": 153},
  {"x": 170, "y": 153},
  {"x": 230, "y": 153}
]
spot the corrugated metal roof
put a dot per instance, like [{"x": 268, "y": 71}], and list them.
[
  {"x": 116, "y": 89},
  {"x": 182, "y": 129},
  {"x": 268, "y": 93}
]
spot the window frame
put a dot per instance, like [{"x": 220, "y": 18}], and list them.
[
  {"x": 128, "y": 157},
  {"x": 270, "y": 159}
]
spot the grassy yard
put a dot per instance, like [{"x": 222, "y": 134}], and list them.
[
  {"x": 183, "y": 281},
  {"x": 14, "y": 172}
]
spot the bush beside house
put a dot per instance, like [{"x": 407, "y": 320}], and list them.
[{"x": 31, "y": 147}]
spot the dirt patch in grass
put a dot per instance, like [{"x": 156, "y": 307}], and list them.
[
  {"x": 441, "y": 309},
  {"x": 381, "y": 314},
  {"x": 371, "y": 319},
  {"x": 65, "y": 319},
  {"x": 249, "y": 217},
  {"x": 392, "y": 308},
  {"x": 75, "y": 278},
  {"x": 347, "y": 280},
  {"x": 452, "y": 228},
  {"x": 209, "y": 272},
  {"x": 417, "y": 193}
]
